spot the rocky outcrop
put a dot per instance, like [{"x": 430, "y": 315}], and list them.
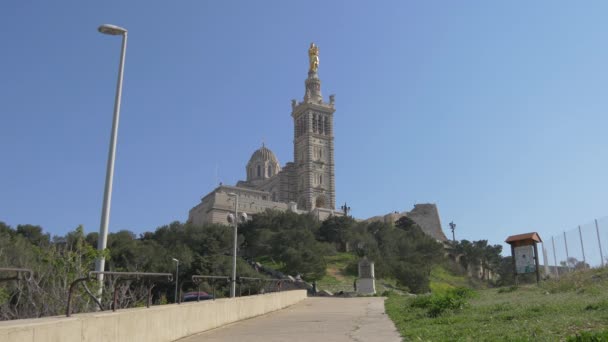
[{"x": 425, "y": 215}]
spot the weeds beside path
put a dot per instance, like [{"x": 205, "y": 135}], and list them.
[{"x": 553, "y": 311}]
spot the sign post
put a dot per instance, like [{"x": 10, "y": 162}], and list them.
[{"x": 525, "y": 254}]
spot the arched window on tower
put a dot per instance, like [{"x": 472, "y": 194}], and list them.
[
  {"x": 321, "y": 128},
  {"x": 259, "y": 171},
  {"x": 269, "y": 170},
  {"x": 327, "y": 129}
]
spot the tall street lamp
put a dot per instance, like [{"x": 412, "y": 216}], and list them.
[
  {"x": 234, "y": 219},
  {"x": 107, "y": 194},
  {"x": 176, "y": 274},
  {"x": 345, "y": 208}
]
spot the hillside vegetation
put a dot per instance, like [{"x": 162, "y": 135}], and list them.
[
  {"x": 574, "y": 308},
  {"x": 326, "y": 252},
  {"x": 406, "y": 259},
  {"x": 316, "y": 250}
]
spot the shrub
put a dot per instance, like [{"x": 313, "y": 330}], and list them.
[
  {"x": 589, "y": 336},
  {"x": 507, "y": 289},
  {"x": 603, "y": 305},
  {"x": 437, "y": 304},
  {"x": 387, "y": 293}
]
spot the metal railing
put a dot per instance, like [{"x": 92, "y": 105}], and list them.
[
  {"x": 18, "y": 271},
  {"x": 120, "y": 276},
  {"x": 198, "y": 280},
  {"x": 264, "y": 284}
]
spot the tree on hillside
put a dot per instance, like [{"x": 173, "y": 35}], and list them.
[
  {"x": 574, "y": 263},
  {"x": 477, "y": 257},
  {"x": 287, "y": 237},
  {"x": 418, "y": 252},
  {"x": 34, "y": 234},
  {"x": 337, "y": 230}
]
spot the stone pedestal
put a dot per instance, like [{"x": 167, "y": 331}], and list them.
[{"x": 366, "y": 284}]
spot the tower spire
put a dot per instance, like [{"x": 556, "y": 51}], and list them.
[{"x": 313, "y": 84}]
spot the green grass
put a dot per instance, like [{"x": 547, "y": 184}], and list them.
[
  {"x": 442, "y": 280},
  {"x": 554, "y": 311},
  {"x": 338, "y": 278},
  {"x": 270, "y": 262},
  {"x": 340, "y": 260}
]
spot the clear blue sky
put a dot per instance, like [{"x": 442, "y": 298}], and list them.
[{"x": 496, "y": 111}]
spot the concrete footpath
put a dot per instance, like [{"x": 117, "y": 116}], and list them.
[{"x": 313, "y": 319}]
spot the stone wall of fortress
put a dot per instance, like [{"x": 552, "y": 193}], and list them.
[{"x": 425, "y": 215}]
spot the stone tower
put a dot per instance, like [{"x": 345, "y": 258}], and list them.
[{"x": 313, "y": 140}]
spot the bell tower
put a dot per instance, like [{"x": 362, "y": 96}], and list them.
[{"x": 313, "y": 142}]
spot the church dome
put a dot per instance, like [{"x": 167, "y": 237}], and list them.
[
  {"x": 263, "y": 154},
  {"x": 263, "y": 164}
]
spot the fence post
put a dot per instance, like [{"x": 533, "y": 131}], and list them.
[
  {"x": 582, "y": 247},
  {"x": 545, "y": 259},
  {"x": 555, "y": 258},
  {"x": 567, "y": 255},
  {"x": 599, "y": 242}
]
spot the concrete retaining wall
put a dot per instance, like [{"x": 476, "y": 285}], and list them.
[{"x": 157, "y": 323}]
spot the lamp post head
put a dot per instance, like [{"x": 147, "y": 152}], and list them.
[
  {"x": 112, "y": 30},
  {"x": 175, "y": 260}
]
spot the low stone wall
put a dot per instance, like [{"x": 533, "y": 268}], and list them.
[{"x": 157, "y": 323}]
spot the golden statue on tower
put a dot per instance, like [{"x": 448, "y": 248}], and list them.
[{"x": 313, "y": 56}]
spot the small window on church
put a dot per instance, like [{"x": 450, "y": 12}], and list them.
[
  {"x": 320, "y": 179},
  {"x": 259, "y": 171},
  {"x": 269, "y": 170}
]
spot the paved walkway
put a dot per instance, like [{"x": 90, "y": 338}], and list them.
[{"x": 315, "y": 319}]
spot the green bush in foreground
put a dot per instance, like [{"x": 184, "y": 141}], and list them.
[
  {"x": 589, "y": 336},
  {"x": 507, "y": 289},
  {"x": 436, "y": 304}
]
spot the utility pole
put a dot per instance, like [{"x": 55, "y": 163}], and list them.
[{"x": 453, "y": 227}]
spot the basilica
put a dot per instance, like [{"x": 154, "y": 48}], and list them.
[{"x": 305, "y": 185}]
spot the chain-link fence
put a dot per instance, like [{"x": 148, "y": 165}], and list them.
[{"x": 582, "y": 247}]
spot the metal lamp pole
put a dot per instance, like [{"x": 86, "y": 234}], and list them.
[
  {"x": 235, "y": 219},
  {"x": 107, "y": 195},
  {"x": 176, "y": 279},
  {"x": 453, "y": 227}
]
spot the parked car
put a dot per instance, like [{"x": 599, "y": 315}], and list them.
[{"x": 195, "y": 296}]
